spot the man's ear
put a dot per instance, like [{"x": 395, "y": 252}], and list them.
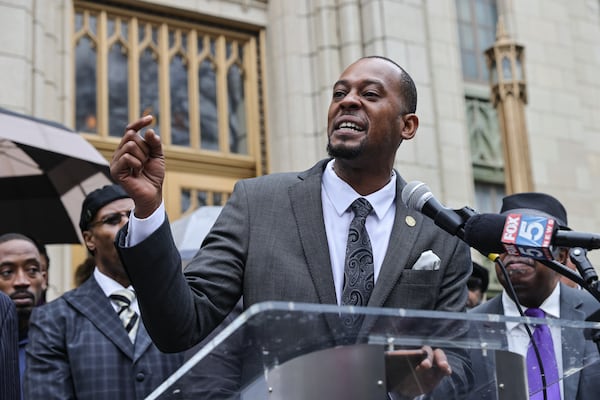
[
  {"x": 563, "y": 255},
  {"x": 411, "y": 123},
  {"x": 88, "y": 241},
  {"x": 44, "y": 280}
]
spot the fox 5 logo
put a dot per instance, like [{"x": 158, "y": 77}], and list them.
[{"x": 528, "y": 235}]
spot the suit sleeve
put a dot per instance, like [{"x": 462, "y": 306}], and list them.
[
  {"x": 180, "y": 310},
  {"x": 47, "y": 371}
]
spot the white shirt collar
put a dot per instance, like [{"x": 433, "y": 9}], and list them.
[
  {"x": 551, "y": 306},
  {"x": 381, "y": 200},
  {"x": 107, "y": 284}
]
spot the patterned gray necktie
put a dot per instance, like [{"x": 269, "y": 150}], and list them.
[
  {"x": 130, "y": 319},
  {"x": 358, "y": 267}
]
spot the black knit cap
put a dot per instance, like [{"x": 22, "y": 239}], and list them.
[
  {"x": 533, "y": 203},
  {"x": 482, "y": 274},
  {"x": 96, "y": 200}
]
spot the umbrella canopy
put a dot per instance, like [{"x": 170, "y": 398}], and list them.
[
  {"x": 46, "y": 170},
  {"x": 189, "y": 231}
]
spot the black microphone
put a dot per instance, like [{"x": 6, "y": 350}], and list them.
[
  {"x": 484, "y": 232},
  {"x": 529, "y": 236},
  {"x": 588, "y": 241},
  {"x": 417, "y": 196}
]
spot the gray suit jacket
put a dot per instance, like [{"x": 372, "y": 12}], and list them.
[
  {"x": 79, "y": 349},
  {"x": 269, "y": 243},
  {"x": 575, "y": 305}
]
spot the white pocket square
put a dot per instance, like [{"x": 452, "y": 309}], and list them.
[{"x": 428, "y": 261}]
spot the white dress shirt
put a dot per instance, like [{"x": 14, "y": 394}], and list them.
[
  {"x": 518, "y": 340},
  {"x": 139, "y": 229}
]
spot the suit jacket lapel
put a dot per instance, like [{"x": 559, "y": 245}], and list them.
[
  {"x": 402, "y": 240},
  {"x": 305, "y": 198},
  {"x": 142, "y": 342},
  {"x": 89, "y": 300},
  {"x": 496, "y": 307}
]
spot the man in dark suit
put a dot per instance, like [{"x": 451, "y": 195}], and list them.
[
  {"x": 10, "y": 388},
  {"x": 22, "y": 279},
  {"x": 283, "y": 236},
  {"x": 537, "y": 286},
  {"x": 79, "y": 347}
]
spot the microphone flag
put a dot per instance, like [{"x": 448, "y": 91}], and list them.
[{"x": 528, "y": 236}]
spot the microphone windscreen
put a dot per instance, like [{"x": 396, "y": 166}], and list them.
[
  {"x": 483, "y": 232},
  {"x": 415, "y": 194}
]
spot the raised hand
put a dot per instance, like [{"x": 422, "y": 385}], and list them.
[{"x": 138, "y": 165}]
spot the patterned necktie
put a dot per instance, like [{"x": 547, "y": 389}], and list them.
[
  {"x": 358, "y": 266},
  {"x": 130, "y": 319},
  {"x": 543, "y": 340}
]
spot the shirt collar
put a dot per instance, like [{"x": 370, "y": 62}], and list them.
[
  {"x": 107, "y": 284},
  {"x": 341, "y": 194},
  {"x": 551, "y": 306}
]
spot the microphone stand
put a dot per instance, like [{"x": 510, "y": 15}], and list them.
[
  {"x": 587, "y": 271},
  {"x": 591, "y": 285},
  {"x": 578, "y": 256}
]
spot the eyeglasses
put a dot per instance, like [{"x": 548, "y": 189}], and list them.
[{"x": 111, "y": 219}]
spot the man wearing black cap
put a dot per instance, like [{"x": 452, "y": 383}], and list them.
[
  {"x": 538, "y": 290},
  {"x": 477, "y": 284},
  {"x": 91, "y": 343}
]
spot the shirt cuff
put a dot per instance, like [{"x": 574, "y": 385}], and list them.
[{"x": 140, "y": 229}]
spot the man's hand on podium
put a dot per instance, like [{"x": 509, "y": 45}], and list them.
[{"x": 412, "y": 373}]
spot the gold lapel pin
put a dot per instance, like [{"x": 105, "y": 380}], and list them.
[{"x": 410, "y": 221}]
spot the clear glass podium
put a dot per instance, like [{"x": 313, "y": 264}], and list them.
[{"x": 297, "y": 351}]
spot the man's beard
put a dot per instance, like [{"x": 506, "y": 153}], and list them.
[
  {"x": 23, "y": 313},
  {"x": 344, "y": 152}
]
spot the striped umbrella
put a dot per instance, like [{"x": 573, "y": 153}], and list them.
[{"x": 46, "y": 170}]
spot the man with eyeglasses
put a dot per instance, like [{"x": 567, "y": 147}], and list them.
[{"x": 91, "y": 343}]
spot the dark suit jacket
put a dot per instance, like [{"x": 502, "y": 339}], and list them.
[
  {"x": 79, "y": 349},
  {"x": 269, "y": 243},
  {"x": 10, "y": 387},
  {"x": 575, "y": 305}
]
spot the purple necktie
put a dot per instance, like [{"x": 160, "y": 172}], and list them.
[{"x": 543, "y": 340}]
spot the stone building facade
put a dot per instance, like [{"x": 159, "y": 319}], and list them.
[{"x": 292, "y": 52}]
